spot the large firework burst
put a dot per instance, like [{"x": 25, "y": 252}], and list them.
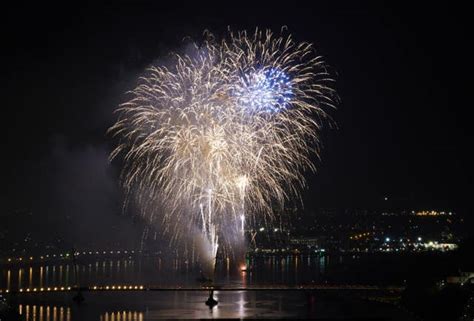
[{"x": 224, "y": 134}]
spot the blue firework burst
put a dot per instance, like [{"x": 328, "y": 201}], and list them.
[{"x": 268, "y": 90}]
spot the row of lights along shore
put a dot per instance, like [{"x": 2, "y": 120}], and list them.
[
  {"x": 93, "y": 288},
  {"x": 42, "y": 257}
]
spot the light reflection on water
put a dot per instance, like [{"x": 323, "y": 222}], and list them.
[
  {"x": 50, "y": 275},
  {"x": 157, "y": 305},
  {"x": 289, "y": 270},
  {"x": 44, "y": 313},
  {"x": 156, "y": 271},
  {"x": 122, "y": 316}
]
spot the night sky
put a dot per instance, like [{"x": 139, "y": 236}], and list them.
[{"x": 403, "y": 124}]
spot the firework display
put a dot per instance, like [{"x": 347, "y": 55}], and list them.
[{"x": 224, "y": 134}]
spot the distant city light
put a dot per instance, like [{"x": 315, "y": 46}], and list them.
[{"x": 431, "y": 213}]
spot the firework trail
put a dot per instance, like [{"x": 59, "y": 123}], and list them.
[{"x": 225, "y": 134}]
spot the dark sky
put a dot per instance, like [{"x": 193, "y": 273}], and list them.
[{"x": 404, "y": 125}]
